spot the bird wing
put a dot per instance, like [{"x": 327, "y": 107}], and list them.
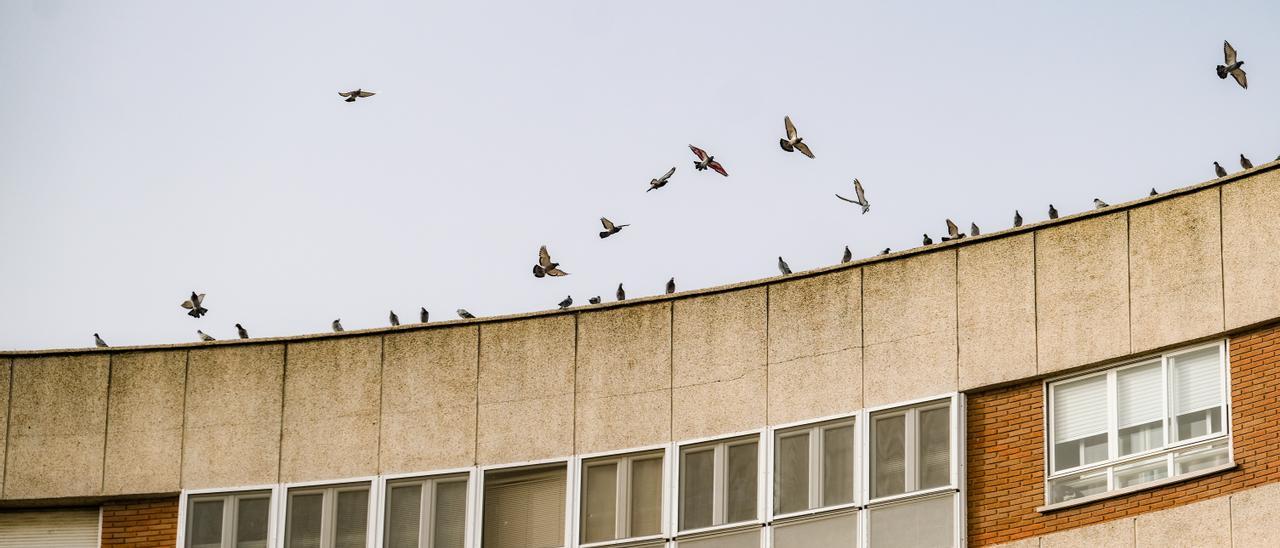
[
  {"x": 857, "y": 187},
  {"x": 718, "y": 168},
  {"x": 670, "y": 172},
  {"x": 608, "y": 225},
  {"x": 544, "y": 258},
  {"x": 1238, "y": 74},
  {"x": 952, "y": 229},
  {"x": 187, "y": 305},
  {"x": 556, "y": 272},
  {"x": 1228, "y": 52},
  {"x": 367, "y": 93},
  {"x": 804, "y": 149},
  {"x": 346, "y": 93},
  {"x": 701, "y": 154},
  {"x": 847, "y": 200},
  {"x": 199, "y": 299},
  {"x": 791, "y": 128}
]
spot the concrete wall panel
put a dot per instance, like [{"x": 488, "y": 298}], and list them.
[
  {"x": 5, "y": 375},
  {"x": 1255, "y": 517},
  {"x": 232, "y": 431},
  {"x": 996, "y": 307},
  {"x": 1112, "y": 534},
  {"x": 718, "y": 363},
  {"x": 909, "y": 315},
  {"x": 144, "y": 422},
  {"x": 623, "y": 378},
  {"x": 526, "y": 390},
  {"x": 1250, "y": 238},
  {"x": 429, "y": 400},
  {"x": 1082, "y": 292},
  {"x": 1206, "y": 523},
  {"x": 332, "y": 396},
  {"x": 57, "y": 426},
  {"x": 815, "y": 346}
]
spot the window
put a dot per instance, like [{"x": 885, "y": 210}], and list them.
[
  {"x": 327, "y": 517},
  {"x": 621, "y": 497},
  {"x": 719, "y": 483},
  {"x": 235, "y": 520},
  {"x": 1138, "y": 423},
  {"x": 525, "y": 507},
  {"x": 914, "y": 498},
  {"x": 814, "y": 472},
  {"x": 426, "y": 513}
]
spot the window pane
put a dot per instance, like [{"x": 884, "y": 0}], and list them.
[
  {"x": 1199, "y": 423},
  {"x": 1145, "y": 471},
  {"x": 352, "y": 519},
  {"x": 741, "y": 476},
  {"x": 934, "y": 464},
  {"x": 1143, "y": 437},
  {"x": 741, "y": 539},
  {"x": 916, "y": 524},
  {"x": 888, "y": 466},
  {"x": 697, "y": 478},
  {"x": 404, "y": 515},
  {"x": 599, "y": 503},
  {"x": 1197, "y": 381},
  {"x": 305, "y": 514},
  {"x": 838, "y": 531},
  {"x": 450, "y": 524},
  {"x": 252, "y": 515},
  {"x": 837, "y": 465},
  {"x": 525, "y": 508},
  {"x": 204, "y": 527},
  {"x": 1077, "y": 485},
  {"x": 792, "y": 473},
  {"x": 1200, "y": 457},
  {"x": 646, "y": 497}
]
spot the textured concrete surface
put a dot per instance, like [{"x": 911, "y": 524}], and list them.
[
  {"x": 1118, "y": 534},
  {"x": 623, "y": 378},
  {"x": 718, "y": 364},
  {"x": 429, "y": 400},
  {"x": 1250, "y": 238},
  {"x": 1033, "y": 542},
  {"x": 1255, "y": 517},
  {"x": 1175, "y": 270},
  {"x": 909, "y": 324},
  {"x": 1082, "y": 292},
  {"x": 57, "y": 426},
  {"x": 232, "y": 431},
  {"x": 144, "y": 422},
  {"x": 526, "y": 390},
  {"x": 5, "y": 373},
  {"x": 815, "y": 346},
  {"x": 996, "y": 309},
  {"x": 332, "y": 397},
  {"x": 1206, "y": 523}
]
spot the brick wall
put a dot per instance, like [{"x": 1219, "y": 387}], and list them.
[
  {"x": 150, "y": 523},
  {"x": 1006, "y": 452}
]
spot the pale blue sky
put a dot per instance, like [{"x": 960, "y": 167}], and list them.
[{"x": 151, "y": 148}]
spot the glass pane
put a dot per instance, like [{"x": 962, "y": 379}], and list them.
[
  {"x": 646, "y": 497},
  {"x": 1080, "y": 452},
  {"x": 838, "y": 531},
  {"x": 917, "y": 524},
  {"x": 352, "y": 519},
  {"x": 1145, "y": 471},
  {"x": 1077, "y": 485},
  {"x": 837, "y": 465},
  {"x": 742, "y": 477},
  {"x": 204, "y": 527},
  {"x": 697, "y": 480},
  {"x": 305, "y": 514},
  {"x": 1143, "y": 437},
  {"x": 740, "y": 539},
  {"x": 1199, "y": 423},
  {"x": 888, "y": 466},
  {"x": 404, "y": 516},
  {"x": 934, "y": 464},
  {"x": 252, "y": 515},
  {"x": 450, "y": 524},
  {"x": 600, "y": 503},
  {"x": 791, "y": 482},
  {"x": 525, "y": 508},
  {"x": 1200, "y": 457}
]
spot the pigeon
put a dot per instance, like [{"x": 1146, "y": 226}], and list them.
[
  {"x": 928, "y": 240},
  {"x": 395, "y": 320},
  {"x": 240, "y": 330},
  {"x": 655, "y": 184},
  {"x": 195, "y": 305},
  {"x": 1219, "y": 170},
  {"x": 1245, "y": 163},
  {"x": 885, "y": 252},
  {"x": 953, "y": 232},
  {"x": 1099, "y": 204},
  {"x": 462, "y": 313},
  {"x": 1053, "y": 212},
  {"x": 609, "y": 228},
  {"x": 1277, "y": 159},
  {"x": 1017, "y": 218},
  {"x": 351, "y": 95},
  {"x": 337, "y": 325},
  {"x": 848, "y": 255},
  {"x": 793, "y": 141},
  {"x": 862, "y": 197},
  {"x": 205, "y": 336},
  {"x": 783, "y": 267},
  {"x": 1233, "y": 66},
  {"x": 671, "y": 286},
  {"x": 545, "y": 267},
  {"x": 974, "y": 230},
  {"x": 423, "y": 315},
  {"x": 594, "y": 300},
  {"x": 621, "y": 294},
  {"x": 707, "y": 161},
  {"x": 567, "y": 302},
  {"x": 1153, "y": 191},
  {"x": 97, "y": 341}
]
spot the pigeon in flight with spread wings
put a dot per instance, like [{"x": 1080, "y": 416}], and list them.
[
  {"x": 793, "y": 141},
  {"x": 351, "y": 95},
  {"x": 953, "y": 232},
  {"x": 655, "y": 184},
  {"x": 862, "y": 197},
  {"x": 1233, "y": 66},
  {"x": 706, "y": 161},
  {"x": 545, "y": 267},
  {"x": 195, "y": 305},
  {"x": 609, "y": 228}
]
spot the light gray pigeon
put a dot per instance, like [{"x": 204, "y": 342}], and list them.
[
  {"x": 609, "y": 228},
  {"x": 953, "y": 232},
  {"x": 594, "y": 300},
  {"x": 655, "y": 184},
  {"x": 545, "y": 267},
  {"x": 848, "y": 255},
  {"x": 621, "y": 294},
  {"x": 783, "y": 267},
  {"x": 567, "y": 302},
  {"x": 97, "y": 341},
  {"x": 793, "y": 141},
  {"x": 1017, "y": 218},
  {"x": 862, "y": 197},
  {"x": 1218, "y": 170},
  {"x": 240, "y": 330},
  {"x": 337, "y": 325},
  {"x": 1245, "y": 163},
  {"x": 395, "y": 320},
  {"x": 462, "y": 313},
  {"x": 423, "y": 315},
  {"x": 1099, "y": 204},
  {"x": 1232, "y": 66},
  {"x": 205, "y": 336},
  {"x": 1053, "y": 212},
  {"x": 1153, "y": 192},
  {"x": 195, "y": 305},
  {"x": 885, "y": 252},
  {"x": 351, "y": 95},
  {"x": 928, "y": 240},
  {"x": 974, "y": 230},
  {"x": 671, "y": 286}
]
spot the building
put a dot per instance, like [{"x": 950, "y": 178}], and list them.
[{"x": 1110, "y": 378}]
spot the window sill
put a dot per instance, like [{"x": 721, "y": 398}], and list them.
[{"x": 1136, "y": 488}]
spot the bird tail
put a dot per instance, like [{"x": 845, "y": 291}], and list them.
[
  {"x": 350, "y": 99},
  {"x": 1222, "y": 72},
  {"x": 604, "y": 235}
]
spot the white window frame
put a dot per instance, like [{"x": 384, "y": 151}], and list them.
[
  {"x": 580, "y": 461},
  {"x": 384, "y": 499},
  {"x": 184, "y": 500},
  {"x": 569, "y": 493},
  {"x": 815, "y": 454},
  {"x": 1170, "y": 447},
  {"x": 762, "y": 455},
  {"x": 282, "y": 514}
]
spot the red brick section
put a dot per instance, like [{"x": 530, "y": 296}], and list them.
[
  {"x": 1006, "y": 452},
  {"x": 150, "y": 523}
]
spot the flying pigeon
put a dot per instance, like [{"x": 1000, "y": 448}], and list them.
[
  {"x": 1233, "y": 66},
  {"x": 97, "y": 341},
  {"x": 621, "y": 294},
  {"x": 337, "y": 325},
  {"x": 707, "y": 161},
  {"x": 671, "y": 286},
  {"x": 953, "y": 232},
  {"x": 974, "y": 230},
  {"x": 609, "y": 228},
  {"x": 567, "y": 302},
  {"x": 195, "y": 305},
  {"x": 862, "y": 197},
  {"x": 594, "y": 300},
  {"x": 205, "y": 336},
  {"x": 1245, "y": 163},
  {"x": 1053, "y": 212},
  {"x": 1017, "y": 218},
  {"x": 793, "y": 141},
  {"x": 783, "y": 267},
  {"x": 423, "y": 315},
  {"x": 351, "y": 95},
  {"x": 395, "y": 320},
  {"x": 240, "y": 330},
  {"x": 462, "y": 313},
  {"x": 1219, "y": 170},
  {"x": 1153, "y": 191},
  {"x": 848, "y": 255},
  {"x": 1099, "y": 204},
  {"x": 655, "y": 184},
  {"x": 885, "y": 252},
  {"x": 545, "y": 267},
  {"x": 928, "y": 240}
]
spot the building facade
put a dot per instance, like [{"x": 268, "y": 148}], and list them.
[{"x": 1110, "y": 378}]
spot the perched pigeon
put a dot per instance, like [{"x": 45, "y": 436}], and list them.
[
  {"x": 567, "y": 302},
  {"x": 423, "y": 315},
  {"x": 351, "y": 95},
  {"x": 337, "y": 325},
  {"x": 1099, "y": 204},
  {"x": 205, "y": 336},
  {"x": 953, "y": 232},
  {"x": 783, "y": 267},
  {"x": 594, "y": 300},
  {"x": 793, "y": 141},
  {"x": 1245, "y": 163},
  {"x": 195, "y": 305},
  {"x": 1219, "y": 170},
  {"x": 545, "y": 267},
  {"x": 885, "y": 252},
  {"x": 240, "y": 330},
  {"x": 1277, "y": 159},
  {"x": 621, "y": 294},
  {"x": 706, "y": 161},
  {"x": 848, "y": 255},
  {"x": 671, "y": 286},
  {"x": 1233, "y": 66},
  {"x": 655, "y": 184},
  {"x": 97, "y": 341},
  {"x": 862, "y": 197},
  {"x": 395, "y": 320},
  {"x": 1153, "y": 191},
  {"x": 928, "y": 240},
  {"x": 974, "y": 230},
  {"x": 1017, "y": 218},
  {"x": 609, "y": 228},
  {"x": 1053, "y": 212},
  {"x": 462, "y": 313}
]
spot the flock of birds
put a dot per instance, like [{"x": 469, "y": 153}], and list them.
[{"x": 791, "y": 142}]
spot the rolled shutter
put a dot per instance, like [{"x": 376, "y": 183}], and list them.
[
  {"x": 49, "y": 529},
  {"x": 1080, "y": 409},
  {"x": 1139, "y": 395},
  {"x": 1196, "y": 380}
]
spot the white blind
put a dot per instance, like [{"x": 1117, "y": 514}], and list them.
[
  {"x": 743, "y": 539},
  {"x": 646, "y": 497},
  {"x": 451, "y": 514},
  {"x": 1196, "y": 380},
  {"x": 525, "y": 512},
  {"x": 252, "y": 516},
  {"x": 791, "y": 474},
  {"x": 305, "y": 518},
  {"x": 204, "y": 523},
  {"x": 352, "y": 519},
  {"x": 927, "y": 523},
  {"x": 404, "y": 514},
  {"x": 58, "y": 528},
  {"x": 934, "y": 468},
  {"x": 836, "y": 531},
  {"x": 1138, "y": 395},
  {"x": 1080, "y": 409},
  {"x": 600, "y": 503}
]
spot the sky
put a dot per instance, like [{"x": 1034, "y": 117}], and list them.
[{"x": 149, "y": 149}]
